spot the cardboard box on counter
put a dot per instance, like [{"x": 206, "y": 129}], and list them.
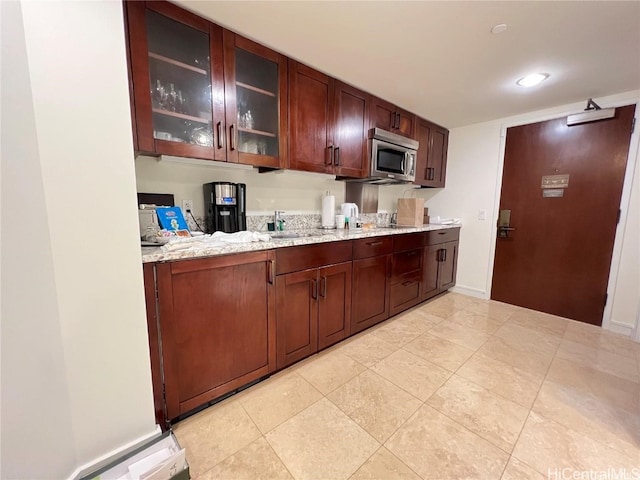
[{"x": 410, "y": 212}]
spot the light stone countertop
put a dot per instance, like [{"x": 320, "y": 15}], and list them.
[{"x": 313, "y": 236}]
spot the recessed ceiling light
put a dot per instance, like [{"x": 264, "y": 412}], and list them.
[
  {"x": 532, "y": 79},
  {"x": 500, "y": 28}
]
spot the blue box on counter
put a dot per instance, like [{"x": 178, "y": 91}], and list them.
[{"x": 171, "y": 218}]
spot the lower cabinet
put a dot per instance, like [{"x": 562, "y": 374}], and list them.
[
  {"x": 440, "y": 263},
  {"x": 217, "y": 324},
  {"x": 313, "y": 311},
  {"x": 370, "y": 300}
]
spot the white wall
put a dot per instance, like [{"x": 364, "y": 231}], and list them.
[
  {"x": 286, "y": 190},
  {"x": 75, "y": 374},
  {"x": 474, "y": 173}
]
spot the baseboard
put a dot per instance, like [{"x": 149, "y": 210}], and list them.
[
  {"x": 113, "y": 455},
  {"x": 471, "y": 292},
  {"x": 621, "y": 328}
]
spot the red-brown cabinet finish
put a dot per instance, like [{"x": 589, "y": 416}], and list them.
[
  {"x": 176, "y": 62},
  {"x": 440, "y": 262},
  {"x": 431, "y": 162},
  {"x": 406, "y": 277},
  {"x": 255, "y": 99},
  {"x": 334, "y": 304},
  {"x": 328, "y": 123},
  {"x": 394, "y": 119},
  {"x": 370, "y": 298},
  {"x": 217, "y": 323}
]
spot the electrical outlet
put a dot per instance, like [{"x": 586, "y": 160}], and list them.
[
  {"x": 187, "y": 206},
  {"x": 482, "y": 215}
]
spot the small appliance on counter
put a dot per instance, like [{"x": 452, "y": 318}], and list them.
[
  {"x": 350, "y": 211},
  {"x": 225, "y": 205}
]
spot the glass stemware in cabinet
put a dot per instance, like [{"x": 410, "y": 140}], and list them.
[{"x": 179, "y": 75}]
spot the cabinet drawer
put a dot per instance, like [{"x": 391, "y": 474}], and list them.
[
  {"x": 441, "y": 236},
  {"x": 404, "y": 295},
  {"x": 293, "y": 259},
  {"x": 406, "y": 262},
  {"x": 408, "y": 241},
  {"x": 372, "y": 247}
]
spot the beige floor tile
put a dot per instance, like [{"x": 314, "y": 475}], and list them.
[
  {"x": 398, "y": 333},
  {"x": 612, "y": 390},
  {"x": 549, "y": 447},
  {"x": 460, "y": 334},
  {"x": 460, "y": 299},
  {"x": 596, "y": 337},
  {"x": 328, "y": 372},
  {"x": 623, "y": 367},
  {"x": 375, "y": 404},
  {"x": 368, "y": 350},
  {"x": 491, "y": 416},
  {"x": 506, "y": 380},
  {"x": 517, "y": 470},
  {"x": 540, "y": 322},
  {"x": 436, "y": 447},
  {"x": 256, "y": 461},
  {"x": 420, "y": 319},
  {"x": 590, "y": 416},
  {"x": 214, "y": 434},
  {"x": 517, "y": 353},
  {"x": 412, "y": 373},
  {"x": 496, "y": 310},
  {"x": 322, "y": 443},
  {"x": 384, "y": 465},
  {"x": 476, "y": 321},
  {"x": 272, "y": 402},
  {"x": 529, "y": 340},
  {"x": 439, "y": 351},
  {"x": 441, "y": 308}
]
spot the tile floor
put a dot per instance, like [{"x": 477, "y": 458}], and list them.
[{"x": 457, "y": 388}]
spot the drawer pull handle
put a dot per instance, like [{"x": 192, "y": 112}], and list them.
[
  {"x": 410, "y": 254},
  {"x": 373, "y": 244},
  {"x": 442, "y": 233},
  {"x": 406, "y": 284}
]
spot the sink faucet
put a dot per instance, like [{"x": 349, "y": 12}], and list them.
[{"x": 278, "y": 220}]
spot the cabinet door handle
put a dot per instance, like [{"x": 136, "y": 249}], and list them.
[
  {"x": 373, "y": 244},
  {"x": 444, "y": 254},
  {"x": 220, "y": 135},
  {"x": 270, "y": 271},
  {"x": 329, "y": 161},
  {"x": 314, "y": 288},
  {"x": 397, "y": 120},
  {"x": 441, "y": 254},
  {"x": 336, "y": 156},
  {"x": 232, "y": 137},
  {"x": 323, "y": 287}
]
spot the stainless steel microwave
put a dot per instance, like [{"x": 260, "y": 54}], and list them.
[{"x": 393, "y": 157}]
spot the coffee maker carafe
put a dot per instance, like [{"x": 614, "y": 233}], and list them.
[{"x": 225, "y": 203}]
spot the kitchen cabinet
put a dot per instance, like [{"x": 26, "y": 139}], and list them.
[
  {"x": 394, "y": 119},
  {"x": 440, "y": 262},
  {"x": 328, "y": 124},
  {"x": 217, "y": 326},
  {"x": 200, "y": 91},
  {"x": 406, "y": 273},
  {"x": 255, "y": 101},
  {"x": 371, "y": 282},
  {"x": 431, "y": 161},
  {"x": 313, "y": 289}
]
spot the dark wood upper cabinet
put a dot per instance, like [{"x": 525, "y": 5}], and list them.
[
  {"x": 431, "y": 163},
  {"x": 394, "y": 119},
  {"x": 176, "y": 71},
  {"x": 328, "y": 123},
  {"x": 200, "y": 91},
  {"x": 255, "y": 98}
]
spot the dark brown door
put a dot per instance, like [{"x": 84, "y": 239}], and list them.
[
  {"x": 351, "y": 123},
  {"x": 370, "y": 300},
  {"x": 296, "y": 316},
  {"x": 334, "y": 303},
  {"x": 309, "y": 119},
  {"x": 557, "y": 260}
]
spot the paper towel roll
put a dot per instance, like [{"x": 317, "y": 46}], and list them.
[{"x": 329, "y": 211}]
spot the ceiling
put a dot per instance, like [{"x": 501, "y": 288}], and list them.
[{"x": 440, "y": 60}]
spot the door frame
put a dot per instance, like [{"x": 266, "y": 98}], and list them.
[{"x": 633, "y": 160}]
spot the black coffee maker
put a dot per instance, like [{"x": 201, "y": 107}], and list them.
[{"x": 226, "y": 205}]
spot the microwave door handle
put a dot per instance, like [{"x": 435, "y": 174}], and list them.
[{"x": 403, "y": 163}]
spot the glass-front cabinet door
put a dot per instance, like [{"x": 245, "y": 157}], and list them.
[
  {"x": 255, "y": 92},
  {"x": 175, "y": 88}
]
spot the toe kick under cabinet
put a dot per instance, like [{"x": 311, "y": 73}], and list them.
[{"x": 220, "y": 323}]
